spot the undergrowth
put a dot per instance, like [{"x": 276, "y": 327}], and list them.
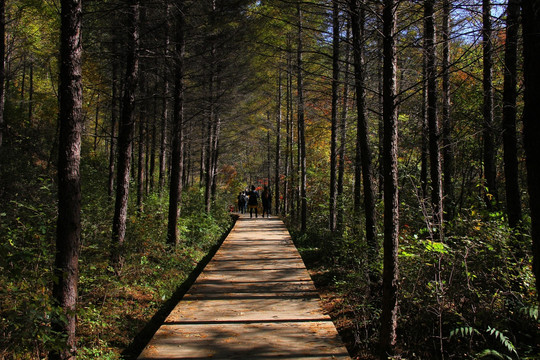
[
  {"x": 470, "y": 296},
  {"x": 111, "y": 310}
]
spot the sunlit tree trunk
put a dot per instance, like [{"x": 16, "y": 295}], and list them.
[
  {"x": 301, "y": 126},
  {"x": 447, "y": 145},
  {"x": 490, "y": 171},
  {"x": 334, "y": 116},
  {"x": 391, "y": 198},
  {"x": 125, "y": 140},
  {"x": 177, "y": 138},
  {"x": 433, "y": 125},
  {"x": 531, "y": 121},
  {"x": 278, "y": 144},
  {"x": 343, "y": 137},
  {"x": 362, "y": 137},
  {"x": 511, "y": 171},
  {"x": 165, "y": 105},
  {"x": 68, "y": 230}
]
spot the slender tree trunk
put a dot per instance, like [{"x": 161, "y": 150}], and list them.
[
  {"x": 531, "y": 121},
  {"x": 391, "y": 198},
  {"x": 278, "y": 144},
  {"x": 334, "y": 116},
  {"x": 433, "y": 125},
  {"x": 165, "y": 105},
  {"x": 288, "y": 119},
  {"x": 153, "y": 145},
  {"x": 96, "y": 125},
  {"x": 513, "y": 196},
  {"x": 490, "y": 170},
  {"x": 447, "y": 146},
  {"x": 2, "y": 67},
  {"x": 343, "y": 137},
  {"x": 114, "y": 117},
  {"x": 141, "y": 157},
  {"x": 125, "y": 140},
  {"x": 301, "y": 126},
  {"x": 178, "y": 133},
  {"x": 68, "y": 230},
  {"x": 31, "y": 94},
  {"x": 362, "y": 136},
  {"x": 424, "y": 156}
]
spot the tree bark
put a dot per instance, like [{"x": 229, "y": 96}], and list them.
[
  {"x": 334, "y": 116},
  {"x": 140, "y": 155},
  {"x": 165, "y": 106},
  {"x": 362, "y": 137},
  {"x": 278, "y": 145},
  {"x": 531, "y": 121},
  {"x": 301, "y": 125},
  {"x": 2, "y": 67},
  {"x": 447, "y": 146},
  {"x": 343, "y": 137},
  {"x": 391, "y": 198},
  {"x": 178, "y": 133},
  {"x": 490, "y": 171},
  {"x": 433, "y": 125},
  {"x": 114, "y": 119},
  {"x": 68, "y": 231},
  {"x": 513, "y": 195},
  {"x": 125, "y": 140}
]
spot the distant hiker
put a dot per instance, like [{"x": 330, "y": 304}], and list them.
[
  {"x": 266, "y": 201},
  {"x": 241, "y": 202},
  {"x": 252, "y": 202}
]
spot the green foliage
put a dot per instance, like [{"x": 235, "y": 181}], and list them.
[{"x": 111, "y": 310}]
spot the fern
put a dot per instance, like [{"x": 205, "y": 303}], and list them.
[
  {"x": 493, "y": 353},
  {"x": 464, "y": 331},
  {"x": 503, "y": 339},
  {"x": 530, "y": 311}
]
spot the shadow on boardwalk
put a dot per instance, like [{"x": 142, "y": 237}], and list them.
[{"x": 254, "y": 300}]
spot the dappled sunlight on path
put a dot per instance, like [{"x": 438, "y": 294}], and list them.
[{"x": 254, "y": 300}]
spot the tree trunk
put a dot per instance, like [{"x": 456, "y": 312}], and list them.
[
  {"x": 152, "y": 154},
  {"x": 513, "y": 196},
  {"x": 424, "y": 156},
  {"x": 301, "y": 126},
  {"x": 165, "y": 105},
  {"x": 343, "y": 137},
  {"x": 178, "y": 143},
  {"x": 391, "y": 198},
  {"x": 141, "y": 157},
  {"x": 278, "y": 144},
  {"x": 433, "y": 125},
  {"x": 531, "y": 121},
  {"x": 31, "y": 94},
  {"x": 114, "y": 116},
  {"x": 447, "y": 146},
  {"x": 288, "y": 119},
  {"x": 68, "y": 231},
  {"x": 334, "y": 116},
  {"x": 125, "y": 140},
  {"x": 2, "y": 67},
  {"x": 362, "y": 135},
  {"x": 490, "y": 171}
]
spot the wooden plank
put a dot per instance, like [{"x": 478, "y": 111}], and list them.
[{"x": 254, "y": 300}]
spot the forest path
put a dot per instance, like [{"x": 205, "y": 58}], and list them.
[{"x": 254, "y": 300}]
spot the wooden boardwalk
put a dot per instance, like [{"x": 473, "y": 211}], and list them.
[{"x": 254, "y": 300}]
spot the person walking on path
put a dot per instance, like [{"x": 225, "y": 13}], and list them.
[
  {"x": 241, "y": 202},
  {"x": 266, "y": 201},
  {"x": 253, "y": 203}
]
